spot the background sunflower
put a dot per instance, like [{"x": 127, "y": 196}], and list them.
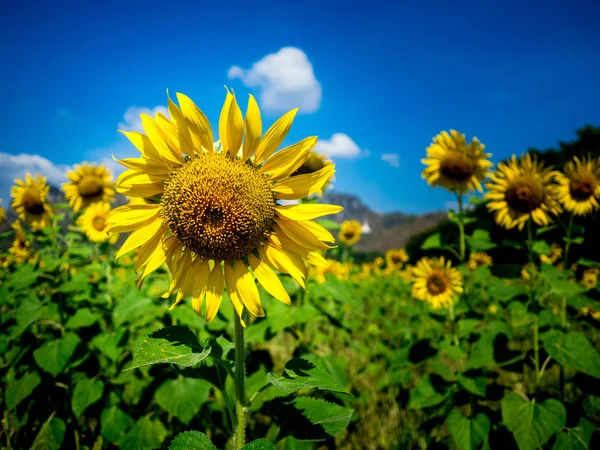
[
  {"x": 30, "y": 201},
  {"x": 88, "y": 184}
]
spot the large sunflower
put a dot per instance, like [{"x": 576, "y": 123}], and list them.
[
  {"x": 88, "y": 184},
  {"x": 93, "y": 223},
  {"x": 30, "y": 201},
  {"x": 521, "y": 189},
  {"x": 218, "y": 212},
  {"x": 350, "y": 232},
  {"x": 454, "y": 164},
  {"x": 579, "y": 186},
  {"x": 312, "y": 164},
  {"x": 436, "y": 282}
]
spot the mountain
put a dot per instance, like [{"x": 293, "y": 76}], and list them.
[{"x": 384, "y": 231}]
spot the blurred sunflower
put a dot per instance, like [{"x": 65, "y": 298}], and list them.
[
  {"x": 478, "y": 259},
  {"x": 492, "y": 309},
  {"x": 396, "y": 257},
  {"x": 21, "y": 248},
  {"x": 555, "y": 253},
  {"x": 3, "y": 216},
  {"x": 219, "y": 210},
  {"x": 455, "y": 165},
  {"x": 521, "y": 189},
  {"x": 350, "y": 232},
  {"x": 378, "y": 262},
  {"x": 88, "y": 184},
  {"x": 436, "y": 282},
  {"x": 30, "y": 201},
  {"x": 528, "y": 271},
  {"x": 337, "y": 269},
  {"x": 579, "y": 186},
  {"x": 407, "y": 273},
  {"x": 93, "y": 223},
  {"x": 312, "y": 164},
  {"x": 589, "y": 278}
]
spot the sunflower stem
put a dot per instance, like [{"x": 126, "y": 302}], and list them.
[
  {"x": 563, "y": 304},
  {"x": 568, "y": 243},
  {"x": 536, "y": 343},
  {"x": 239, "y": 437},
  {"x": 461, "y": 227},
  {"x": 536, "y": 355}
]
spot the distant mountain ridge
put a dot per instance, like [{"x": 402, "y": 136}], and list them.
[{"x": 387, "y": 230}]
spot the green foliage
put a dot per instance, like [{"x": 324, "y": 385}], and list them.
[
  {"x": 468, "y": 433},
  {"x": 51, "y": 435}
]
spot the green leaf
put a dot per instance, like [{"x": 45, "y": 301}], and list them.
[
  {"x": 259, "y": 444},
  {"x": 562, "y": 287},
  {"x": 146, "y": 433},
  {"x": 482, "y": 353},
  {"x": 113, "y": 423},
  {"x": 329, "y": 224},
  {"x": 86, "y": 393},
  {"x": 433, "y": 241},
  {"x": 532, "y": 423},
  {"x": 577, "y": 438},
  {"x": 480, "y": 241},
  {"x": 22, "y": 278},
  {"x": 82, "y": 318},
  {"x": 189, "y": 440},
  {"x": 20, "y": 389},
  {"x": 308, "y": 419},
  {"x": 578, "y": 240},
  {"x": 424, "y": 395},
  {"x": 50, "y": 436},
  {"x": 54, "y": 355},
  {"x": 573, "y": 351},
  {"x": 468, "y": 433},
  {"x": 541, "y": 248},
  {"x": 183, "y": 397},
  {"x": 127, "y": 310},
  {"x": 171, "y": 345},
  {"x": 302, "y": 374},
  {"x": 475, "y": 385},
  {"x": 110, "y": 344},
  {"x": 588, "y": 262}
]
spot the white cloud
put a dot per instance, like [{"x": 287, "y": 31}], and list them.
[
  {"x": 339, "y": 145},
  {"x": 16, "y": 166},
  {"x": 132, "y": 120},
  {"x": 285, "y": 79},
  {"x": 391, "y": 158}
]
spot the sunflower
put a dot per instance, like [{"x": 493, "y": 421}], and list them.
[
  {"x": 492, "y": 309},
  {"x": 218, "y": 210},
  {"x": 528, "y": 271},
  {"x": 339, "y": 270},
  {"x": 93, "y": 223},
  {"x": 396, "y": 257},
  {"x": 3, "y": 216},
  {"x": 30, "y": 201},
  {"x": 478, "y": 259},
  {"x": 350, "y": 232},
  {"x": 312, "y": 164},
  {"x": 436, "y": 282},
  {"x": 579, "y": 186},
  {"x": 555, "y": 253},
  {"x": 455, "y": 165},
  {"x": 521, "y": 189},
  {"x": 20, "y": 249},
  {"x": 589, "y": 278},
  {"x": 88, "y": 184}
]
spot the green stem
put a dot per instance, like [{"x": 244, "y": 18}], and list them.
[
  {"x": 461, "y": 227},
  {"x": 568, "y": 243},
  {"x": 451, "y": 316},
  {"x": 240, "y": 391},
  {"x": 536, "y": 355},
  {"x": 536, "y": 343}
]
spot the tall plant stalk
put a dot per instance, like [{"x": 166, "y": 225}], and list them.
[{"x": 239, "y": 437}]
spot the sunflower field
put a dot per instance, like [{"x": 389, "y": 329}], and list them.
[{"x": 208, "y": 299}]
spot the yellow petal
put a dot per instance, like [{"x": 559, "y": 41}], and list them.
[
  {"x": 302, "y": 186},
  {"x": 247, "y": 290},
  {"x": 311, "y": 256},
  {"x": 230, "y": 282},
  {"x": 279, "y": 260},
  {"x": 300, "y": 234},
  {"x": 158, "y": 140},
  {"x": 143, "y": 190},
  {"x": 235, "y": 128},
  {"x": 268, "y": 279},
  {"x": 146, "y": 251},
  {"x": 307, "y": 211},
  {"x": 214, "y": 291},
  {"x": 157, "y": 258},
  {"x": 252, "y": 128},
  {"x": 223, "y": 120},
  {"x": 199, "y": 126},
  {"x": 318, "y": 230},
  {"x": 150, "y": 166},
  {"x": 143, "y": 144},
  {"x": 186, "y": 144},
  {"x": 199, "y": 289},
  {"x": 131, "y": 178},
  {"x": 274, "y": 136},
  {"x": 169, "y": 132},
  {"x": 130, "y": 218},
  {"x": 140, "y": 237},
  {"x": 286, "y": 161}
]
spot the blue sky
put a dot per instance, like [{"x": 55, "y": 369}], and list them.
[{"x": 384, "y": 77}]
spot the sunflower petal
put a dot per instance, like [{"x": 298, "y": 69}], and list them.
[
  {"x": 300, "y": 234},
  {"x": 252, "y": 128},
  {"x": 286, "y": 161},
  {"x": 230, "y": 283},
  {"x": 274, "y": 136},
  {"x": 199, "y": 288},
  {"x": 223, "y": 122},
  {"x": 158, "y": 140},
  {"x": 129, "y": 218},
  {"x": 214, "y": 291},
  {"x": 246, "y": 289},
  {"x": 140, "y": 237},
  {"x": 268, "y": 279},
  {"x": 307, "y": 211},
  {"x": 143, "y": 144},
  {"x": 281, "y": 261},
  {"x": 199, "y": 126},
  {"x": 235, "y": 128},
  {"x": 302, "y": 186}
]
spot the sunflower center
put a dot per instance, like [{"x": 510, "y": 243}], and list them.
[
  {"x": 457, "y": 166},
  {"x": 436, "y": 284},
  {"x": 98, "y": 223},
  {"x": 89, "y": 186},
  {"x": 349, "y": 234},
  {"x": 582, "y": 188},
  {"x": 396, "y": 259},
  {"x": 33, "y": 204},
  {"x": 222, "y": 209},
  {"x": 525, "y": 195}
]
